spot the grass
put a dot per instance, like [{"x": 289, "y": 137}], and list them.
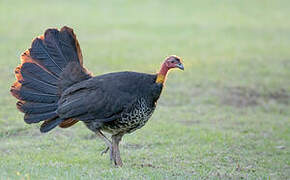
[{"x": 225, "y": 117}]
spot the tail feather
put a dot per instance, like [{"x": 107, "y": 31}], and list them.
[
  {"x": 44, "y": 73},
  {"x": 69, "y": 42},
  {"x": 35, "y": 118},
  {"x": 67, "y": 123},
  {"x": 24, "y": 93},
  {"x": 26, "y": 77},
  {"x": 40, "y": 73},
  {"x": 35, "y": 108},
  {"x": 42, "y": 56},
  {"x": 62, "y": 45},
  {"x": 31, "y": 81},
  {"x": 50, "y": 124},
  {"x": 53, "y": 47}
]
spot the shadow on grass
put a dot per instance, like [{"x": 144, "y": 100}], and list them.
[{"x": 241, "y": 97}]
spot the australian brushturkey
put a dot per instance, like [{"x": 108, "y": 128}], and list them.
[{"x": 53, "y": 86}]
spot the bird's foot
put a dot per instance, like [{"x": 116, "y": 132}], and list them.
[
  {"x": 108, "y": 143},
  {"x": 105, "y": 151},
  {"x": 113, "y": 146},
  {"x": 111, "y": 152},
  {"x": 117, "y": 159}
]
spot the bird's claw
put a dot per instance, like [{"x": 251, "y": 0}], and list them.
[
  {"x": 105, "y": 151},
  {"x": 111, "y": 152}
]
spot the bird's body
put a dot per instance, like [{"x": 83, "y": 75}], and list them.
[
  {"x": 53, "y": 86},
  {"x": 129, "y": 121},
  {"x": 118, "y": 102}
]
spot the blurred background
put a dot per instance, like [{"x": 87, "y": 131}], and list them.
[{"x": 226, "y": 116}]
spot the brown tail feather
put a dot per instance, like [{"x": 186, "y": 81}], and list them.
[
  {"x": 26, "y": 58},
  {"x": 68, "y": 123},
  {"x": 40, "y": 73},
  {"x": 78, "y": 48}
]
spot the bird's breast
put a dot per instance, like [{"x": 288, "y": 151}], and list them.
[{"x": 131, "y": 120}]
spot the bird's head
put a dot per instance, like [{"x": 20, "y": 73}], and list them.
[
  {"x": 173, "y": 62},
  {"x": 169, "y": 63}
]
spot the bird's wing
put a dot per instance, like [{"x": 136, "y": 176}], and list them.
[{"x": 90, "y": 100}]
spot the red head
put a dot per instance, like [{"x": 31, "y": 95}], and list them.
[
  {"x": 169, "y": 63},
  {"x": 173, "y": 62}
]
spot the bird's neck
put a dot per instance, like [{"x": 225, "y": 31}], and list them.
[{"x": 161, "y": 76}]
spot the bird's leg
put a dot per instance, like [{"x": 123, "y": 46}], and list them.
[
  {"x": 108, "y": 143},
  {"x": 116, "y": 152}
]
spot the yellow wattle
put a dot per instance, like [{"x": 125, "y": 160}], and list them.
[{"x": 160, "y": 78}]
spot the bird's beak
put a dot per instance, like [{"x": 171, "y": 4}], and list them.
[{"x": 180, "y": 66}]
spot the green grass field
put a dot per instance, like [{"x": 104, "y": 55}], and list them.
[{"x": 227, "y": 116}]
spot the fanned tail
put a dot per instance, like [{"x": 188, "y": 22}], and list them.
[{"x": 44, "y": 72}]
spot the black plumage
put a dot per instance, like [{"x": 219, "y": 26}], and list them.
[
  {"x": 108, "y": 98},
  {"x": 53, "y": 86},
  {"x": 35, "y": 108}
]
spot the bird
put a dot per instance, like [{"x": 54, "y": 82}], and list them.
[{"x": 54, "y": 88}]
